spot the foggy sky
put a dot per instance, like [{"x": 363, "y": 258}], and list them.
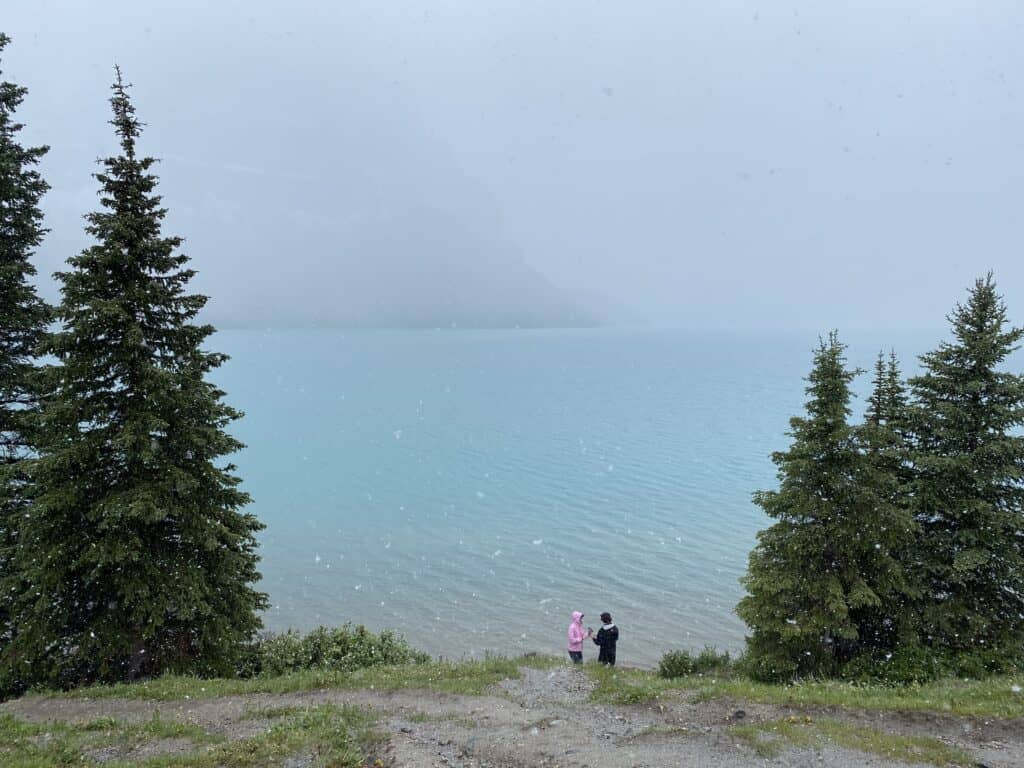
[{"x": 711, "y": 165}]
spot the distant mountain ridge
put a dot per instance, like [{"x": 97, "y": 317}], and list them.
[
  {"x": 517, "y": 297},
  {"x": 414, "y": 271}
]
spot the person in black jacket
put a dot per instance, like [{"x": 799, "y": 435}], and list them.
[{"x": 607, "y": 636}]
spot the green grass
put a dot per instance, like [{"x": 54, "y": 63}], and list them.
[
  {"x": 154, "y": 728},
  {"x": 616, "y": 685},
  {"x": 270, "y": 713},
  {"x": 337, "y": 736},
  {"x": 471, "y": 678},
  {"x": 992, "y": 697},
  {"x": 25, "y": 745},
  {"x": 540, "y": 661},
  {"x": 769, "y": 739}
]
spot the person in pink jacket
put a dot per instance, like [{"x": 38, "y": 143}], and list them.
[{"x": 576, "y": 637}]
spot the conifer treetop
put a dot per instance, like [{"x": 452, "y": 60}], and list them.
[
  {"x": 127, "y": 127},
  {"x": 888, "y": 397},
  {"x": 20, "y": 217},
  {"x": 980, "y": 325},
  {"x": 876, "y": 399}
]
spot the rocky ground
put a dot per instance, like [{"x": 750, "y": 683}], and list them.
[{"x": 546, "y": 719}]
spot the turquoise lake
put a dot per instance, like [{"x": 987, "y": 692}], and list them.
[{"x": 471, "y": 488}]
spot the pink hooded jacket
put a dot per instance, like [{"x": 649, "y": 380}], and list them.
[{"x": 576, "y": 633}]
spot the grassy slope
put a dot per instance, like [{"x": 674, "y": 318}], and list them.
[
  {"x": 993, "y": 697},
  {"x": 339, "y": 736},
  {"x": 769, "y": 739},
  {"x": 344, "y": 736},
  {"x": 470, "y": 678}
]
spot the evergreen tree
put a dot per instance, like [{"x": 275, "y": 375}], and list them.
[
  {"x": 23, "y": 320},
  {"x": 887, "y": 403},
  {"x": 969, "y": 482},
  {"x": 138, "y": 556},
  {"x": 830, "y": 555},
  {"x": 884, "y": 435},
  {"x": 885, "y": 481}
]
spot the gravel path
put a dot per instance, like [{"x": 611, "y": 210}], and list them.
[{"x": 545, "y": 719}]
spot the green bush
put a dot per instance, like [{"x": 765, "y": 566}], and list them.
[
  {"x": 770, "y": 667},
  {"x": 912, "y": 663},
  {"x": 682, "y": 663},
  {"x": 344, "y": 649}
]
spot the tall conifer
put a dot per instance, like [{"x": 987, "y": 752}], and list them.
[
  {"x": 139, "y": 557},
  {"x": 830, "y": 554},
  {"x": 23, "y": 320},
  {"x": 969, "y": 481},
  {"x": 884, "y": 480}
]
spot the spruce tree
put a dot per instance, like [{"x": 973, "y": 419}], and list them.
[
  {"x": 887, "y": 403},
  {"x": 968, "y": 490},
  {"x": 885, "y": 481},
  {"x": 830, "y": 555},
  {"x": 23, "y": 321},
  {"x": 137, "y": 553},
  {"x": 884, "y": 434}
]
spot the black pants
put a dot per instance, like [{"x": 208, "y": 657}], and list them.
[
  {"x": 576, "y": 656},
  {"x": 607, "y": 656}
]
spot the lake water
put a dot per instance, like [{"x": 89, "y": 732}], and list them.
[{"x": 471, "y": 488}]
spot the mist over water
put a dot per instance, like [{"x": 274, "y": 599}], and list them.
[{"x": 470, "y": 489}]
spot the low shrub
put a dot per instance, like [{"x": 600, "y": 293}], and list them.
[
  {"x": 344, "y": 649},
  {"x": 912, "y": 663},
  {"x": 682, "y": 663}
]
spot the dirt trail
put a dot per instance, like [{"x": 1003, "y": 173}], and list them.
[{"x": 545, "y": 719}]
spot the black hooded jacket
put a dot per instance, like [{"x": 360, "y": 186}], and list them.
[{"x": 607, "y": 636}]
